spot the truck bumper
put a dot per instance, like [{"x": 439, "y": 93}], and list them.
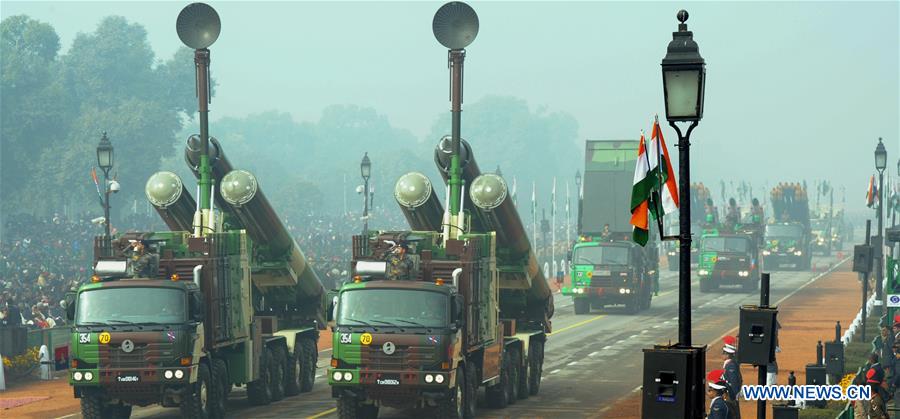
[
  {"x": 723, "y": 277},
  {"x": 402, "y": 389},
  {"x": 776, "y": 260},
  {"x": 135, "y": 386},
  {"x": 604, "y": 295}
]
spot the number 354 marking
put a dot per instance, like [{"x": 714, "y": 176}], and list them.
[
  {"x": 345, "y": 338},
  {"x": 84, "y": 338}
]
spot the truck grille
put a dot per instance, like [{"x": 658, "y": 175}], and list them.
[
  {"x": 602, "y": 281},
  {"x": 143, "y": 355},
  {"x": 403, "y": 358}
]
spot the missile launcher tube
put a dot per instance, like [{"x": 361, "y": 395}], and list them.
[
  {"x": 217, "y": 161},
  {"x": 240, "y": 189},
  {"x": 420, "y": 205},
  {"x": 489, "y": 194},
  {"x": 470, "y": 171},
  {"x": 171, "y": 199}
]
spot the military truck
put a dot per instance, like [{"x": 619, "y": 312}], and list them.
[
  {"x": 728, "y": 259},
  {"x": 821, "y": 239},
  {"x": 605, "y": 235},
  {"x": 453, "y": 304},
  {"x": 224, "y": 298},
  {"x": 787, "y": 238}
]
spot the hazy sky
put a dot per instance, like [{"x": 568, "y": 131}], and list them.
[{"x": 794, "y": 89}]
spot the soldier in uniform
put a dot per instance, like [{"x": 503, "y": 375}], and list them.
[
  {"x": 733, "y": 217},
  {"x": 718, "y": 407},
  {"x": 732, "y": 375},
  {"x": 144, "y": 263},
  {"x": 877, "y": 408},
  {"x": 399, "y": 264},
  {"x": 756, "y": 212},
  {"x": 605, "y": 234}
]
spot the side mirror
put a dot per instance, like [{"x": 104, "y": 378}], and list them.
[
  {"x": 459, "y": 314},
  {"x": 70, "y": 305},
  {"x": 198, "y": 307}
]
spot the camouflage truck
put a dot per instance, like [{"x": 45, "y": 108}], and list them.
[
  {"x": 178, "y": 317},
  {"x": 608, "y": 268},
  {"x": 787, "y": 238},
  {"x": 728, "y": 259}
]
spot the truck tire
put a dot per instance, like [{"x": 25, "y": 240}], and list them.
[
  {"x": 276, "y": 368},
  {"x": 634, "y": 303},
  {"x": 524, "y": 378},
  {"x": 535, "y": 366},
  {"x": 750, "y": 286},
  {"x": 347, "y": 407},
  {"x": 300, "y": 374},
  {"x": 453, "y": 406},
  {"x": 515, "y": 358},
  {"x": 704, "y": 286},
  {"x": 497, "y": 395},
  {"x": 582, "y": 305},
  {"x": 222, "y": 384},
  {"x": 196, "y": 402},
  {"x": 470, "y": 390},
  {"x": 259, "y": 391},
  {"x": 96, "y": 407}
]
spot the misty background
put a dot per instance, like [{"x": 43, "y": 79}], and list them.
[{"x": 796, "y": 91}]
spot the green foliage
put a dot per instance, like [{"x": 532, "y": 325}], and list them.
[{"x": 109, "y": 80}]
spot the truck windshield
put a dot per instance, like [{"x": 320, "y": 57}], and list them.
[
  {"x": 601, "y": 255},
  {"x": 726, "y": 244},
  {"x": 131, "y": 305},
  {"x": 783, "y": 230},
  {"x": 393, "y": 307},
  {"x": 820, "y": 225}
]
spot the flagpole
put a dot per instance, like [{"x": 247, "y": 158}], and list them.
[
  {"x": 568, "y": 219},
  {"x": 553, "y": 226}
]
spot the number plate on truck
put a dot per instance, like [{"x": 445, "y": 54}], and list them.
[
  {"x": 388, "y": 380},
  {"x": 128, "y": 378}
]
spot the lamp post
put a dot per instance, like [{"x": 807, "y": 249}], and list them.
[
  {"x": 880, "y": 165},
  {"x": 105, "y": 158},
  {"x": 365, "y": 169},
  {"x": 684, "y": 76}
]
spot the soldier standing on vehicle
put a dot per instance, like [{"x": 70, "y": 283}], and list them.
[
  {"x": 399, "y": 263},
  {"x": 605, "y": 235},
  {"x": 733, "y": 217},
  {"x": 718, "y": 408},
  {"x": 756, "y": 212},
  {"x": 143, "y": 263}
]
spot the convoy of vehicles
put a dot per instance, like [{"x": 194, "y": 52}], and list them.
[
  {"x": 608, "y": 268},
  {"x": 728, "y": 259},
  {"x": 224, "y": 298}
]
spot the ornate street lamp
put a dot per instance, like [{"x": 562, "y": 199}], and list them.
[
  {"x": 880, "y": 165},
  {"x": 105, "y": 157},
  {"x": 365, "y": 169}
]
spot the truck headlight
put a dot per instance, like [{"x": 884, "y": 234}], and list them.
[
  {"x": 671, "y": 253},
  {"x": 429, "y": 378},
  {"x": 798, "y": 253},
  {"x": 743, "y": 273},
  {"x": 703, "y": 272},
  {"x": 77, "y": 375},
  {"x": 88, "y": 376},
  {"x": 179, "y": 374},
  {"x": 337, "y": 376},
  {"x": 766, "y": 253},
  {"x": 168, "y": 374},
  {"x": 348, "y": 376},
  {"x": 439, "y": 378}
]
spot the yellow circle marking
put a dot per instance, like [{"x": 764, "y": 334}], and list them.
[
  {"x": 365, "y": 338},
  {"x": 104, "y": 338}
]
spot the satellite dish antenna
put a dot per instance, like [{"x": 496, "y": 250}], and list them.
[
  {"x": 198, "y": 25},
  {"x": 455, "y": 25}
]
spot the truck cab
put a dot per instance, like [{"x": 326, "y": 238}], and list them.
[
  {"x": 611, "y": 273},
  {"x": 728, "y": 259},
  {"x": 786, "y": 244},
  {"x": 821, "y": 239}
]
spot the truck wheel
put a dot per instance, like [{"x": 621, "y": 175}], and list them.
[
  {"x": 259, "y": 391},
  {"x": 347, "y": 407},
  {"x": 470, "y": 393},
  {"x": 582, "y": 305},
  {"x": 648, "y": 298},
  {"x": 515, "y": 358},
  {"x": 453, "y": 406},
  {"x": 536, "y": 366},
  {"x": 121, "y": 412},
  {"x": 95, "y": 407},
  {"x": 498, "y": 395},
  {"x": 633, "y": 305},
  {"x": 197, "y": 403},
  {"x": 300, "y": 374},
  {"x": 750, "y": 286},
  {"x": 221, "y": 383},
  {"x": 704, "y": 286},
  {"x": 524, "y": 379},
  {"x": 276, "y": 369}
]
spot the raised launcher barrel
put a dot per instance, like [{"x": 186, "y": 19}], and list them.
[
  {"x": 217, "y": 161},
  {"x": 489, "y": 193},
  {"x": 240, "y": 189},
  {"x": 175, "y": 205},
  {"x": 470, "y": 171},
  {"x": 422, "y": 209}
]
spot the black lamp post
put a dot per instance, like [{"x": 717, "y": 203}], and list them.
[
  {"x": 365, "y": 169},
  {"x": 105, "y": 158},
  {"x": 684, "y": 76},
  {"x": 578, "y": 191},
  {"x": 880, "y": 165}
]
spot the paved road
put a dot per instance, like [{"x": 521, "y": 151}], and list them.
[{"x": 590, "y": 359}]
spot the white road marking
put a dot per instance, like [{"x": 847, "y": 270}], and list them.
[
  {"x": 572, "y": 363},
  {"x": 593, "y": 353},
  {"x": 554, "y": 371},
  {"x": 606, "y": 347},
  {"x": 633, "y": 336},
  {"x": 621, "y": 341},
  {"x": 318, "y": 375}
]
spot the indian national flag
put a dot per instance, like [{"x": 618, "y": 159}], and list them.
[{"x": 654, "y": 181}]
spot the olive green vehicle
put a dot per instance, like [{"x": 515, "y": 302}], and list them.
[
  {"x": 729, "y": 259},
  {"x": 226, "y": 297}
]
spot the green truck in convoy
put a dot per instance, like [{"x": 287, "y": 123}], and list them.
[
  {"x": 728, "y": 259},
  {"x": 608, "y": 268},
  {"x": 453, "y": 304},
  {"x": 788, "y": 238},
  {"x": 224, "y": 298}
]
